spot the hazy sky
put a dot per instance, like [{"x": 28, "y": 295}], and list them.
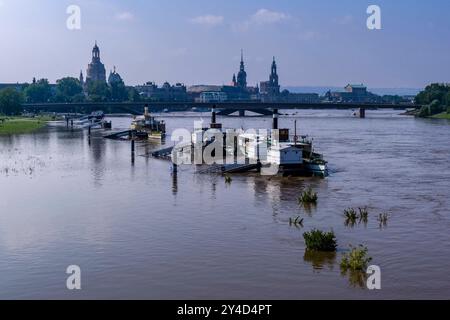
[{"x": 316, "y": 42}]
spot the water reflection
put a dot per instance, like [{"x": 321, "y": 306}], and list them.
[
  {"x": 309, "y": 208},
  {"x": 97, "y": 152},
  {"x": 320, "y": 260},
  {"x": 174, "y": 182},
  {"x": 356, "y": 279}
]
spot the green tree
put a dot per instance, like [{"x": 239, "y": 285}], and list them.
[
  {"x": 118, "y": 91},
  {"x": 38, "y": 92},
  {"x": 98, "y": 91},
  {"x": 67, "y": 88},
  {"x": 447, "y": 99},
  {"x": 435, "y": 91},
  {"x": 10, "y": 101},
  {"x": 436, "y": 107},
  {"x": 424, "y": 112},
  {"x": 133, "y": 95}
]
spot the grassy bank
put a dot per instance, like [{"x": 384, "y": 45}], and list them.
[
  {"x": 443, "y": 115},
  {"x": 20, "y": 125}
]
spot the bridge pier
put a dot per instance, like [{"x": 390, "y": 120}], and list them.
[{"x": 362, "y": 113}]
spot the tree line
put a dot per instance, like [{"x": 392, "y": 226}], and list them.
[
  {"x": 66, "y": 90},
  {"x": 434, "y": 99}
]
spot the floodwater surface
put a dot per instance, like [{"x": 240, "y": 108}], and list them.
[{"x": 139, "y": 231}]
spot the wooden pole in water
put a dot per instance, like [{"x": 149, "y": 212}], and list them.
[
  {"x": 295, "y": 132},
  {"x": 174, "y": 161},
  {"x": 132, "y": 148},
  {"x": 362, "y": 113},
  {"x": 213, "y": 115},
  {"x": 257, "y": 147}
]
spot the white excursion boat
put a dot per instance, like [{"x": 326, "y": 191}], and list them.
[
  {"x": 292, "y": 157},
  {"x": 93, "y": 120}
]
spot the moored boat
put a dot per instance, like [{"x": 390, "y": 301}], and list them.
[{"x": 147, "y": 126}]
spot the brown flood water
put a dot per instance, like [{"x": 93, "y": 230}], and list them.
[{"x": 137, "y": 231}]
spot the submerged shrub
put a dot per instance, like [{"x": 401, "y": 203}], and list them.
[
  {"x": 383, "y": 219},
  {"x": 320, "y": 241},
  {"x": 296, "y": 221},
  {"x": 363, "y": 215},
  {"x": 308, "y": 196},
  {"x": 228, "y": 179},
  {"x": 356, "y": 260},
  {"x": 352, "y": 216}
]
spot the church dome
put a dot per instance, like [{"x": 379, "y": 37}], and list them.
[{"x": 114, "y": 77}]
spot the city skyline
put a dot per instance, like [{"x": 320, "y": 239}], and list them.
[{"x": 313, "y": 46}]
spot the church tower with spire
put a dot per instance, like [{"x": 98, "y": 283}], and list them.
[
  {"x": 274, "y": 75},
  {"x": 96, "y": 70},
  {"x": 271, "y": 88},
  {"x": 81, "y": 78},
  {"x": 242, "y": 75}
]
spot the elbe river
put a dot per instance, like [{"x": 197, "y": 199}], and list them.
[{"x": 139, "y": 231}]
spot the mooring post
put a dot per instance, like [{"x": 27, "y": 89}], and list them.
[
  {"x": 174, "y": 168},
  {"x": 213, "y": 115},
  {"x": 362, "y": 113},
  {"x": 132, "y": 148},
  {"x": 257, "y": 148},
  {"x": 174, "y": 161},
  {"x": 295, "y": 132},
  {"x": 275, "y": 119}
]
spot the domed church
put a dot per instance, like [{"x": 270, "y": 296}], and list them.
[
  {"x": 96, "y": 69},
  {"x": 114, "y": 77}
]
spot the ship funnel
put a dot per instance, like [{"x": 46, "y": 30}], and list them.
[{"x": 275, "y": 119}]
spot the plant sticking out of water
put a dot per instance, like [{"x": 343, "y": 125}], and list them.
[
  {"x": 363, "y": 215},
  {"x": 356, "y": 260},
  {"x": 308, "y": 197},
  {"x": 228, "y": 179},
  {"x": 355, "y": 264},
  {"x": 297, "y": 222},
  {"x": 352, "y": 216},
  {"x": 383, "y": 219},
  {"x": 320, "y": 241}
]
